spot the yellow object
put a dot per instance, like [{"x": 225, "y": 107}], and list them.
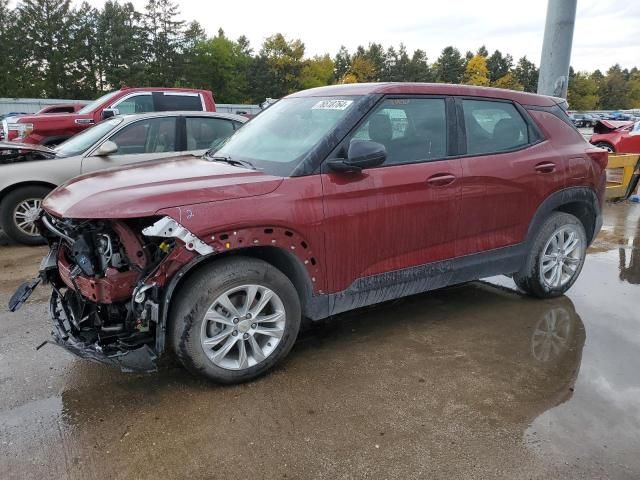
[
  {"x": 164, "y": 247},
  {"x": 620, "y": 170}
]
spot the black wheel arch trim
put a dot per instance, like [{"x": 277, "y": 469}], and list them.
[{"x": 566, "y": 200}]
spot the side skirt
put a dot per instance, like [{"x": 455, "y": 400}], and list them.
[{"x": 422, "y": 278}]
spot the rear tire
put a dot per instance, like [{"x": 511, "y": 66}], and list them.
[
  {"x": 234, "y": 320},
  {"x": 556, "y": 257},
  {"x": 17, "y": 212}
]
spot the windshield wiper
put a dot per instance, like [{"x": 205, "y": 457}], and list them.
[{"x": 230, "y": 161}]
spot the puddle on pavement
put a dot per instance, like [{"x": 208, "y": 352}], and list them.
[{"x": 469, "y": 381}]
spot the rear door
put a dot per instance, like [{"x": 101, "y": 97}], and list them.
[
  {"x": 403, "y": 213},
  {"x": 508, "y": 169},
  {"x": 139, "y": 141}
]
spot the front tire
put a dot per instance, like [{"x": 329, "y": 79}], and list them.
[
  {"x": 556, "y": 257},
  {"x": 234, "y": 320},
  {"x": 18, "y": 212}
]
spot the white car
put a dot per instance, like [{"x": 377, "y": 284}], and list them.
[{"x": 29, "y": 172}]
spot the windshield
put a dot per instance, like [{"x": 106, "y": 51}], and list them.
[
  {"x": 81, "y": 142},
  {"x": 278, "y": 139},
  {"x": 96, "y": 103}
]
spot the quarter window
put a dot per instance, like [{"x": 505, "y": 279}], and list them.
[
  {"x": 411, "y": 129},
  {"x": 154, "y": 135},
  {"x": 493, "y": 126}
]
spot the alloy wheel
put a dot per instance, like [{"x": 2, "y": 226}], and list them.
[
  {"x": 243, "y": 327},
  {"x": 561, "y": 257},
  {"x": 25, "y": 215}
]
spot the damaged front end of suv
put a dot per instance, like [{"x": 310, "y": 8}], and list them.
[{"x": 110, "y": 280}]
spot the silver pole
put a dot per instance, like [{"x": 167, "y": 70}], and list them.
[{"x": 556, "y": 48}]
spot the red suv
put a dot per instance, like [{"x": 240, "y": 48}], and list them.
[
  {"x": 54, "y": 129},
  {"x": 331, "y": 199}
]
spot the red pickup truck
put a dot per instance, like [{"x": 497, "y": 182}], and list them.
[{"x": 53, "y": 129}]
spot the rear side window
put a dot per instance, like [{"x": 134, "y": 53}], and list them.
[
  {"x": 411, "y": 129},
  {"x": 178, "y": 102},
  {"x": 205, "y": 133},
  {"x": 493, "y": 127}
]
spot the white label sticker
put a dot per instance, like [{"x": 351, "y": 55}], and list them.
[{"x": 332, "y": 105}]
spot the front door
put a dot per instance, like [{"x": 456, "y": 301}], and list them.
[
  {"x": 146, "y": 139},
  {"x": 403, "y": 214}
]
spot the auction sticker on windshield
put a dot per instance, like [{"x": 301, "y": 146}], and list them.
[{"x": 332, "y": 105}]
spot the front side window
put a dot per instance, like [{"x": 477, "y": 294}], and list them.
[
  {"x": 280, "y": 138},
  {"x": 205, "y": 133},
  {"x": 135, "y": 104},
  {"x": 493, "y": 127},
  {"x": 89, "y": 108},
  {"x": 411, "y": 129},
  {"x": 153, "y": 135},
  {"x": 83, "y": 141}
]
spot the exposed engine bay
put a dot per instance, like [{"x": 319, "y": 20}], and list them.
[
  {"x": 11, "y": 152},
  {"x": 107, "y": 280}
]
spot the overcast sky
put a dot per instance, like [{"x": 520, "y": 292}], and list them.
[{"x": 607, "y": 31}]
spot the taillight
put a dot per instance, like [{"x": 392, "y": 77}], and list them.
[{"x": 598, "y": 155}]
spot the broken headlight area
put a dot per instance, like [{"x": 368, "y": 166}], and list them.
[{"x": 107, "y": 281}]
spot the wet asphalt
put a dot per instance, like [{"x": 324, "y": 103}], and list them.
[{"x": 474, "y": 381}]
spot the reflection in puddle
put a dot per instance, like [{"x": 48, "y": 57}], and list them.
[{"x": 630, "y": 271}]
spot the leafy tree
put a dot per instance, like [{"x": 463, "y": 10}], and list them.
[
  {"x": 449, "y": 67},
  {"x": 418, "y": 69},
  {"x": 526, "y": 74},
  {"x": 614, "y": 91},
  {"x": 119, "y": 46},
  {"x": 582, "y": 93},
  {"x": 164, "y": 34},
  {"x": 509, "y": 82},
  {"x": 499, "y": 65},
  {"x": 44, "y": 28},
  {"x": 220, "y": 65},
  {"x": 317, "y": 72},
  {"x": 342, "y": 63},
  {"x": 362, "y": 70},
  {"x": 280, "y": 62},
  {"x": 476, "y": 72},
  {"x": 483, "y": 52}
]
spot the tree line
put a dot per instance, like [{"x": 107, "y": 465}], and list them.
[{"x": 48, "y": 48}]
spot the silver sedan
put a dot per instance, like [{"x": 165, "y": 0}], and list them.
[{"x": 29, "y": 172}]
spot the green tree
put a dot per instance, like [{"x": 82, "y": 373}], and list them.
[
  {"x": 120, "y": 44},
  {"x": 220, "y": 65},
  {"x": 44, "y": 28},
  {"x": 418, "y": 69},
  {"x": 614, "y": 91},
  {"x": 164, "y": 34},
  {"x": 449, "y": 67},
  {"x": 342, "y": 63},
  {"x": 317, "y": 72},
  {"x": 362, "y": 70},
  {"x": 526, "y": 74},
  {"x": 276, "y": 72},
  {"x": 476, "y": 72},
  {"x": 509, "y": 82},
  {"x": 582, "y": 92},
  {"x": 499, "y": 65}
]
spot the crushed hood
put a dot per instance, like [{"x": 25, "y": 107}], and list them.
[
  {"x": 607, "y": 126},
  {"x": 142, "y": 190},
  {"x": 14, "y": 152}
]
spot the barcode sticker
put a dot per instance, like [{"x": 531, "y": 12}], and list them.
[{"x": 332, "y": 105}]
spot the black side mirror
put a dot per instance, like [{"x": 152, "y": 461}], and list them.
[
  {"x": 109, "y": 112},
  {"x": 362, "y": 154}
]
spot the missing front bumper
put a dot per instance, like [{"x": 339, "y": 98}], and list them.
[{"x": 140, "y": 359}]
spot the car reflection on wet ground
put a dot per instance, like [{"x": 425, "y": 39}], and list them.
[{"x": 474, "y": 381}]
